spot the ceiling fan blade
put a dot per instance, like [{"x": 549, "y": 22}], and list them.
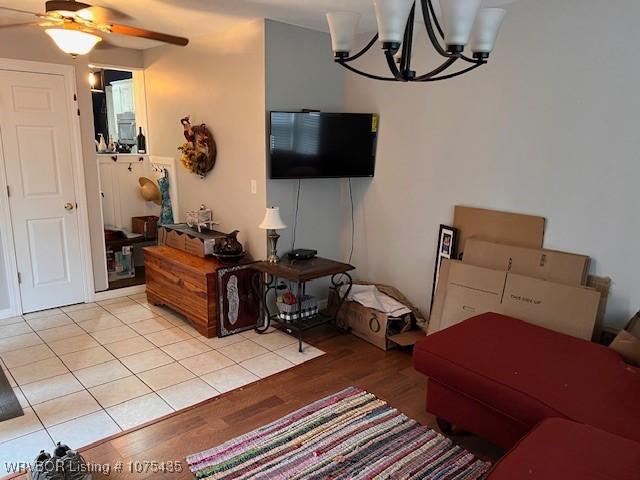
[
  {"x": 24, "y": 24},
  {"x": 26, "y": 12},
  {"x": 102, "y": 14},
  {"x": 52, "y": 6},
  {"x": 142, "y": 33}
]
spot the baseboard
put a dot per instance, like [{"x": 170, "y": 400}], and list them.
[
  {"x": 8, "y": 313},
  {"x": 120, "y": 292}
]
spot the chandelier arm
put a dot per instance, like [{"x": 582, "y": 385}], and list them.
[
  {"x": 455, "y": 74},
  {"x": 467, "y": 59},
  {"x": 435, "y": 18},
  {"x": 391, "y": 61},
  {"x": 440, "y": 69},
  {"x": 407, "y": 44},
  {"x": 431, "y": 32},
  {"x": 363, "y": 51},
  {"x": 364, "y": 74}
]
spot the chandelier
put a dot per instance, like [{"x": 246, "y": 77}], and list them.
[{"x": 450, "y": 28}]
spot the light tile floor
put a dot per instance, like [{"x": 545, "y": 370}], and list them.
[{"x": 88, "y": 371}]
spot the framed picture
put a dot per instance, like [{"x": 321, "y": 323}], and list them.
[{"x": 447, "y": 248}]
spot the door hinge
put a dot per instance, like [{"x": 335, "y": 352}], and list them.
[
  {"x": 19, "y": 278},
  {"x": 75, "y": 97},
  {"x": 78, "y": 112},
  {"x": 8, "y": 191}
]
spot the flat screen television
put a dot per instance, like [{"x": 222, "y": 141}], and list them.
[{"x": 322, "y": 145}]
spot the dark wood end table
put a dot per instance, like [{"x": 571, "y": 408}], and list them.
[{"x": 300, "y": 272}]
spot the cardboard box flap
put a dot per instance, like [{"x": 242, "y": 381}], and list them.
[
  {"x": 554, "y": 266},
  {"x": 407, "y": 339},
  {"x": 511, "y": 228}
]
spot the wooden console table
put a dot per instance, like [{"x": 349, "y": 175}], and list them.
[
  {"x": 210, "y": 293},
  {"x": 300, "y": 272}
]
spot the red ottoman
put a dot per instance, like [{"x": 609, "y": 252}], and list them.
[
  {"x": 498, "y": 377},
  {"x": 564, "y": 450}
]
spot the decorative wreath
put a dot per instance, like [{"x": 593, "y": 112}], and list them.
[{"x": 199, "y": 151}]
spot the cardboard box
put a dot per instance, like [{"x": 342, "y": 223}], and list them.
[
  {"x": 511, "y": 228},
  {"x": 551, "y": 265},
  {"x": 603, "y": 285},
  {"x": 633, "y": 327},
  {"x": 473, "y": 290},
  {"x": 147, "y": 226},
  {"x": 628, "y": 346},
  {"x": 437, "y": 305},
  {"x": 372, "y": 325}
]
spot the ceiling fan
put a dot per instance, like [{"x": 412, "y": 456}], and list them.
[{"x": 74, "y": 26}]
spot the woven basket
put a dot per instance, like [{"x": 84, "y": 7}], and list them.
[{"x": 308, "y": 308}]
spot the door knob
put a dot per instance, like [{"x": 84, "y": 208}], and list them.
[{"x": 68, "y": 206}]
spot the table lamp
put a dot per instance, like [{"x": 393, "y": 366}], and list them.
[{"x": 271, "y": 223}]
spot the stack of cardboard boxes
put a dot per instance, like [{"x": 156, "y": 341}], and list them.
[{"x": 504, "y": 269}]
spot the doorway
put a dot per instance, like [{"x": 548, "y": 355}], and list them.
[{"x": 40, "y": 152}]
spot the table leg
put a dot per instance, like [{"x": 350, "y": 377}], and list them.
[
  {"x": 267, "y": 283},
  {"x": 300, "y": 293},
  {"x": 337, "y": 286}
]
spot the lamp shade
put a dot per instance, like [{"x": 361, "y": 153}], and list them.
[
  {"x": 73, "y": 41},
  {"x": 392, "y": 16},
  {"x": 486, "y": 28},
  {"x": 458, "y": 17},
  {"x": 272, "y": 220},
  {"x": 342, "y": 26}
]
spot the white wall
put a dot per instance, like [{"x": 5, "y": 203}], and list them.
[
  {"x": 33, "y": 44},
  {"x": 300, "y": 73},
  {"x": 218, "y": 80},
  {"x": 5, "y": 299},
  {"x": 549, "y": 127}
]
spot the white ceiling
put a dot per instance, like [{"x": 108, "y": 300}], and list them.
[{"x": 193, "y": 18}]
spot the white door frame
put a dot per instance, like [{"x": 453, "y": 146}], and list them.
[{"x": 69, "y": 74}]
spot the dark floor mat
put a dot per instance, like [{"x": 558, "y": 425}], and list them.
[{"x": 9, "y": 404}]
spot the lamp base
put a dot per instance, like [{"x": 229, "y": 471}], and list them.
[
  {"x": 273, "y": 259},
  {"x": 272, "y": 246}
]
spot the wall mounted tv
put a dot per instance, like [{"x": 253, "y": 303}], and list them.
[{"x": 322, "y": 145}]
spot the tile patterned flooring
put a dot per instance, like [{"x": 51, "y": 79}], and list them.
[{"x": 88, "y": 371}]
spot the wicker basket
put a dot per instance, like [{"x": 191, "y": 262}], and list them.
[{"x": 289, "y": 313}]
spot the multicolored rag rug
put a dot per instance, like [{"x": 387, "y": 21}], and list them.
[{"x": 349, "y": 435}]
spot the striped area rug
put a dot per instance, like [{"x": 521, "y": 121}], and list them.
[{"x": 349, "y": 435}]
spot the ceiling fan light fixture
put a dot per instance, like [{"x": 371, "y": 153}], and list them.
[{"x": 73, "y": 41}]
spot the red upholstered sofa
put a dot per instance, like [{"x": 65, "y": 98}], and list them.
[
  {"x": 498, "y": 377},
  {"x": 564, "y": 450}
]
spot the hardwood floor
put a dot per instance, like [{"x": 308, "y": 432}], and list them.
[{"x": 349, "y": 361}]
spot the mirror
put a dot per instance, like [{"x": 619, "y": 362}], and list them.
[{"x": 114, "y": 111}]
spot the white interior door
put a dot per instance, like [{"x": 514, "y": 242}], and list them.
[{"x": 35, "y": 127}]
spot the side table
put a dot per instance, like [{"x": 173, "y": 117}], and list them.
[{"x": 300, "y": 272}]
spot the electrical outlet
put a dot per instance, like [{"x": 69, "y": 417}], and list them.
[{"x": 254, "y": 187}]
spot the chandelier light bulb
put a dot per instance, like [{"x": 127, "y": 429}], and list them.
[
  {"x": 392, "y": 16},
  {"x": 458, "y": 17},
  {"x": 342, "y": 26},
  {"x": 485, "y": 30}
]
